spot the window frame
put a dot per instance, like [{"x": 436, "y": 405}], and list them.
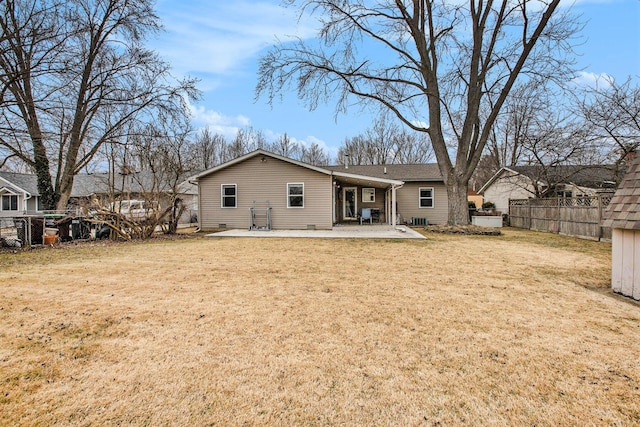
[
  {"x": 224, "y": 196},
  {"x": 289, "y": 195},
  {"x": 421, "y": 198},
  {"x": 10, "y": 196},
  {"x": 370, "y": 190}
]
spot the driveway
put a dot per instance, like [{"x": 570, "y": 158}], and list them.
[{"x": 338, "y": 232}]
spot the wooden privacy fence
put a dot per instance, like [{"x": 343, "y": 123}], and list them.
[{"x": 571, "y": 216}]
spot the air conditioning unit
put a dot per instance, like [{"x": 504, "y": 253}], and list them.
[{"x": 419, "y": 221}]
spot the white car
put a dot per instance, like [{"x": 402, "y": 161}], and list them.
[{"x": 135, "y": 209}]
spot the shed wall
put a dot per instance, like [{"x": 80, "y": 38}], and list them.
[
  {"x": 625, "y": 266},
  {"x": 265, "y": 182}
]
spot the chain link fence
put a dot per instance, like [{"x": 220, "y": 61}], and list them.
[{"x": 15, "y": 232}]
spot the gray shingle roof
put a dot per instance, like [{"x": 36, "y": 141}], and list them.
[
  {"x": 624, "y": 209},
  {"x": 87, "y": 184},
  {"x": 26, "y": 182},
  {"x": 591, "y": 176},
  {"x": 407, "y": 173}
]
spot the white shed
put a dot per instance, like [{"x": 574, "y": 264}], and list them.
[{"x": 623, "y": 216}]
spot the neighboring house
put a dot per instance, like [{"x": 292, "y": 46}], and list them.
[
  {"x": 523, "y": 182},
  {"x": 20, "y": 195},
  {"x": 623, "y": 216},
  {"x": 296, "y": 195}
]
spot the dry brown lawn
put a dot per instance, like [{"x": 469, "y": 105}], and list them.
[{"x": 519, "y": 329}]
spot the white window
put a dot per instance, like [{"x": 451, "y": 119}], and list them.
[
  {"x": 9, "y": 202},
  {"x": 229, "y": 196},
  {"x": 295, "y": 195},
  {"x": 368, "y": 195},
  {"x": 426, "y": 197}
]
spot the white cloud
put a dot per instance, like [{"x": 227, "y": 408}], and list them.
[
  {"x": 216, "y": 40},
  {"x": 217, "y": 122},
  {"x": 593, "y": 80}
]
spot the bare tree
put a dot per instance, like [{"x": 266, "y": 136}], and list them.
[
  {"x": 385, "y": 143},
  {"x": 613, "y": 112},
  {"x": 247, "y": 139},
  {"x": 75, "y": 75},
  {"x": 315, "y": 155},
  {"x": 353, "y": 151},
  {"x": 164, "y": 155},
  {"x": 208, "y": 149},
  {"x": 440, "y": 67},
  {"x": 286, "y": 147},
  {"x": 412, "y": 148}
]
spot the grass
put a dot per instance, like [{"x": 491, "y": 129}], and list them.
[{"x": 452, "y": 330}]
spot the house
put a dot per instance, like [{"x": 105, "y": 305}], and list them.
[
  {"x": 20, "y": 196},
  {"x": 266, "y": 190},
  {"x": 623, "y": 216},
  {"x": 524, "y": 182}
]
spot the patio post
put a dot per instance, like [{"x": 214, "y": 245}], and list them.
[{"x": 393, "y": 206}]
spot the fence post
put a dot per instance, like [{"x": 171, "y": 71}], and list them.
[
  {"x": 559, "y": 216},
  {"x": 599, "y": 217}
]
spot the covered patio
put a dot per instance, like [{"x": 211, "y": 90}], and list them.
[{"x": 352, "y": 193}]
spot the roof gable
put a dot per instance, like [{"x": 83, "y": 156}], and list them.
[
  {"x": 20, "y": 182},
  {"x": 624, "y": 209},
  {"x": 498, "y": 175},
  {"x": 253, "y": 154}
]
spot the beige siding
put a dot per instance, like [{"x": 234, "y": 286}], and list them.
[
  {"x": 266, "y": 182},
  {"x": 625, "y": 266},
  {"x": 508, "y": 187},
  {"x": 407, "y": 199}
]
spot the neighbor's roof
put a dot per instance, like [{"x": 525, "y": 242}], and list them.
[
  {"x": 87, "y": 184},
  {"x": 624, "y": 209},
  {"x": 591, "y": 176},
  {"x": 23, "y": 181}
]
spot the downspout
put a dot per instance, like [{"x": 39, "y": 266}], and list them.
[
  {"x": 333, "y": 199},
  {"x": 199, "y": 205},
  {"x": 27, "y": 197}
]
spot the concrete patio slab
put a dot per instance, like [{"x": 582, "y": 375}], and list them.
[{"x": 338, "y": 232}]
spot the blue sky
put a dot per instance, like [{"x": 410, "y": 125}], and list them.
[{"x": 221, "y": 42}]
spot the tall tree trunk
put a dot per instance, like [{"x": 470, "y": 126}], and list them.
[{"x": 457, "y": 197}]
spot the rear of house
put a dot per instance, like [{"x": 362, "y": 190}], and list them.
[
  {"x": 299, "y": 197},
  {"x": 288, "y": 194}
]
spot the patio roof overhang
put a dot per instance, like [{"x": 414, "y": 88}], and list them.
[{"x": 366, "y": 181}]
